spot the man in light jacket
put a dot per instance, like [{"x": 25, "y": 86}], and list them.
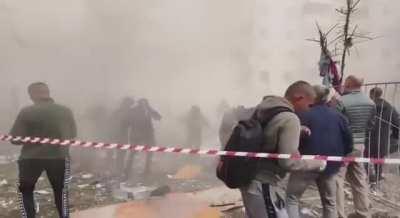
[{"x": 263, "y": 197}]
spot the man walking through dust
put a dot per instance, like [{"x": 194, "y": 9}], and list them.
[{"x": 44, "y": 119}]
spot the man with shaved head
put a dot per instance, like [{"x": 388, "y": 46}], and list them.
[
  {"x": 264, "y": 197},
  {"x": 44, "y": 119},
  {"x": 360, "y": 111}
]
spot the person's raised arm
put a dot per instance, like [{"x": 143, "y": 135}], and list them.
[
  {"x": 154, "y": 114},
  {"x": 288, "y": 143}
]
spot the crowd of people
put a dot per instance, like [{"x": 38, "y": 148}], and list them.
[
  {"x": 132, "y": 122},
  {"x": 320, "y": 122},
  {"x": 316, "y": 121}
]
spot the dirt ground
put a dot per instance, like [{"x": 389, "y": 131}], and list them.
[
  {"x": 89, "y": 190},
  {"x": 93, "y": 189}
]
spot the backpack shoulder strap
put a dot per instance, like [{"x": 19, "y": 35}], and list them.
[{"x": 265, "y": 116}]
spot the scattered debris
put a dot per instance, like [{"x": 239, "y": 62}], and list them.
[
  {"x": 307, "y": 212},
  {"x": 42, "y": 192},
  {"x": 83, "y": 186},
  {"x": 161, "y": 191},
  {"x": 5, "y": 203},
  {"x": 87, "y": 176},
  {"x": 3, "y": 182},
  {"x": 137, "y": 193},
  {"x": 99, "y": 191},
  {"x": 8, "y": 159},
  {"x": 222, "y": 205},
  {"x": 3, "y": 160},
  {"x": 383, "y": 214},
  {"x": 188, "y": 172}
]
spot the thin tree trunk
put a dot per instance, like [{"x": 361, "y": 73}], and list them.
[{"x": 346, "y": 34}]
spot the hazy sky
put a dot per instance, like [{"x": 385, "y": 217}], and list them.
[{"x": 178, "y": 52}]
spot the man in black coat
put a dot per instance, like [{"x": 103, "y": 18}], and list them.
[
  {"x": 143, "y": 132},
  {"x": 385, "y": 133}
]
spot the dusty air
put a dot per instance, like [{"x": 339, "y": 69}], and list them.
[{"x": 199, "y": 109}]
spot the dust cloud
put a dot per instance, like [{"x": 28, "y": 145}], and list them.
[{"x": 176, "y": 53}]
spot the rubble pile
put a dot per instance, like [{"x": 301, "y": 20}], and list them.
[{"x": 99, "y": 194}]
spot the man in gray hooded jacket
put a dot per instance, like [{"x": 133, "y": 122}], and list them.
[{"x": 264, "y": 196}]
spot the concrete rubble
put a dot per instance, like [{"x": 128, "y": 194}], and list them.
[
  {"x": 6, "y": 159},
  {"x": 184, "y": 194}
]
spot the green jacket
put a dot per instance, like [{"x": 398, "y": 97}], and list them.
[{"x": 45, "y": 120}]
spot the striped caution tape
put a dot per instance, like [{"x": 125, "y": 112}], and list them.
[{"x": 210, "y": 152}]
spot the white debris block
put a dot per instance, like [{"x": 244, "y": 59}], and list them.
[
  {"x": 42, "y": 192},
  {"x": 3, "y": 182},
  {"x": 83, "y": 186},
  {"x": 87, "y": 176}
]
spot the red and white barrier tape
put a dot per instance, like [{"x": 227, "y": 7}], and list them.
[{"x": 146, "y": 148}]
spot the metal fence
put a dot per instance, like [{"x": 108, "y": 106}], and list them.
[{"x": 381, "y": 141}]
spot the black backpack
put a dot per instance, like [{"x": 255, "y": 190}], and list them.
[{"x": 247, "y": 136}]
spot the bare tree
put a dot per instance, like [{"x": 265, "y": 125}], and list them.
[{"x": 347, "y": 35}]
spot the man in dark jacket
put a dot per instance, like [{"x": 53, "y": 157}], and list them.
[
  {"x": 143, "y": 129},
  {"x": 195, "y": 122},
  {"x": 385, "y": 131},
  {"x": 44, "y": 119},
  {"x": 329, "y": 135},
  {"x": 121, "y": 132}
]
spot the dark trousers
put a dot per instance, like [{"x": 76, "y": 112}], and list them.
[
  {"x": 375, "y": 172},
  {"x": 124, "y": 163},
  {"x": 58, "y": 173}
]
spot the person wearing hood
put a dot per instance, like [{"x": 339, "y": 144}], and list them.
[
  {"x": 263, "y": 197},
  {"x": 329, "y": 135},
  {"x": 44, "y": 119},
  {"x": 385, "y": 132}
]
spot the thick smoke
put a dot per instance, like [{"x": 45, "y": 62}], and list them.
[{"x": 176, "y": 53}]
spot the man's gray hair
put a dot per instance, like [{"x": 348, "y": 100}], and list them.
[
  {"x": 322, "y": 94},
  {"x": 357, "y": 82}
]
